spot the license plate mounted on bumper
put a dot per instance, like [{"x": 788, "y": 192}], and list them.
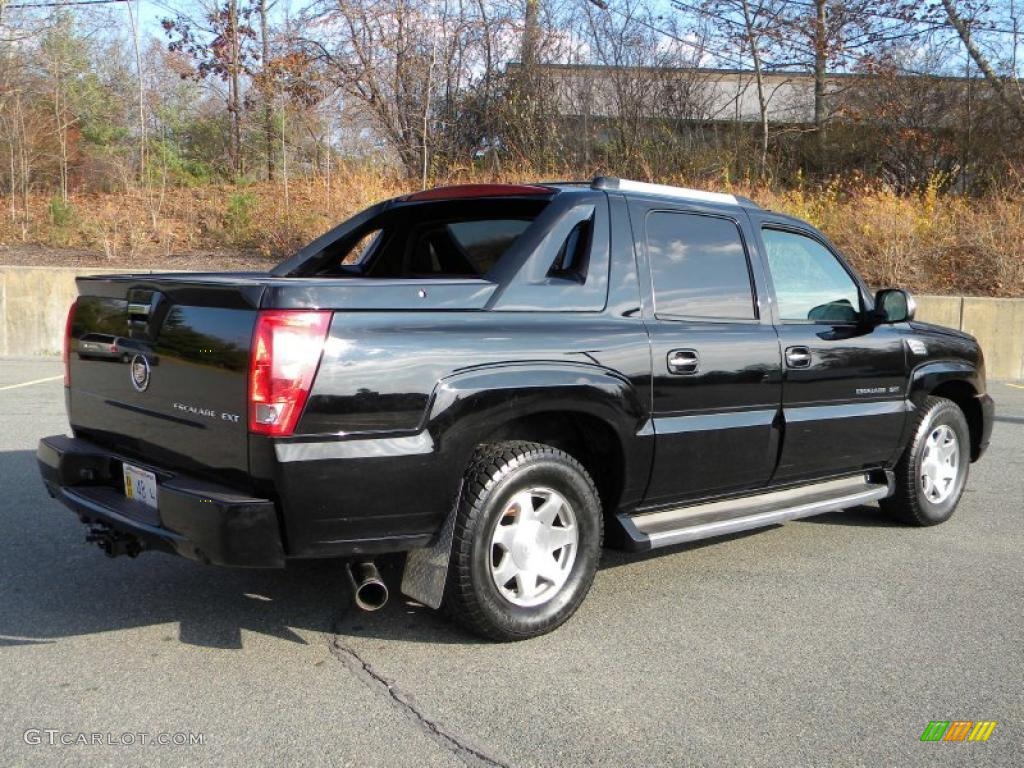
[
  {"x": 140, "y": 485},
  {"x": 197, "y": 519}
]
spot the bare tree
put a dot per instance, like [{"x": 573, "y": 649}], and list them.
[
  {"x": 749, "y": 30},
  {"x": 820, "y": 43},
  {"x": 415, "y": 66},
  {"x": 1014, "y": 102},
  {"x": 839, "y": 33},
  {"x": 142, "y": 91},
  {"x": 266, "y": 86},
  {"x": 379, "y": 56},
  {"x": 644, "y": 91},
  {"x": 219, "y": 42},
  {"x": 63, "y": 57}
]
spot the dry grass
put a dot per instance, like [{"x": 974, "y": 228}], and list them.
[{"x": 928, "y": 242}]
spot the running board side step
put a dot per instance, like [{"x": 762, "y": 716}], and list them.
[{"x": 719, "y": 518}]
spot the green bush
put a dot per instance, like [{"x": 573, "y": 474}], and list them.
[
  {"x": 168, "y": 163},
  {"x": 238, "y": 217},
  {"x": 62, "y": 213}
]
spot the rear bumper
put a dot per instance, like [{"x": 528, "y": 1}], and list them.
[{"x": 196, "y": 519}]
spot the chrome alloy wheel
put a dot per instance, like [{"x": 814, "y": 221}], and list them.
[
  {"x": 533, "y": 546},
  {"x": 940, "y": 464}
]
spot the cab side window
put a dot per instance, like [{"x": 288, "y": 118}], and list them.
[
  {"x": 810, "y": 283},
  {"x": 699, "y": 267}
]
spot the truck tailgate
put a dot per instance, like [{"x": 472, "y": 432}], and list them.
[{"x": 159, "y": 368}]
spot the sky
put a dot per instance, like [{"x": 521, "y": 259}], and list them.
[{"x": 152, "y": 12}]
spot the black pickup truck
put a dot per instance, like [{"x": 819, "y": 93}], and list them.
[{"x": 493, "y": 379}]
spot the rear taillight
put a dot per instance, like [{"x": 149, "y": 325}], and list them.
[
  {"x": 286, "y": 348},
  {"x": 67, "y": 343}
]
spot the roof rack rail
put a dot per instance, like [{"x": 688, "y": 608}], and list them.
[{"x": 628, "y": 185}]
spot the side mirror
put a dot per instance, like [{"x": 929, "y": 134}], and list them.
[{"x": 894, "y": 305}]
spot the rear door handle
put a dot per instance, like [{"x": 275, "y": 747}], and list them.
[
  {"x": 798, "y": 357},
  {"x": 684, "y": 362}
]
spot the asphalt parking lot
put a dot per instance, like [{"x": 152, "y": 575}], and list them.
[{"x": 829, "y": 641}]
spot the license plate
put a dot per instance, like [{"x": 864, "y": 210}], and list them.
[{"x": 139, "y": 485}]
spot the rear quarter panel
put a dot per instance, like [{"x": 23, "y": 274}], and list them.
[{"x": 401, "y": 399}]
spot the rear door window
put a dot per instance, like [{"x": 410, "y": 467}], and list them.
[{"x": 699, "y": 267}]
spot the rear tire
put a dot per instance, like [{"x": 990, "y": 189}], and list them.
[
  {"x": 526, "y": 543},
  {"x": 932, "y": 472}
]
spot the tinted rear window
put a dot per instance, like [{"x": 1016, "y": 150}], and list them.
[
  {"x": 440, "y": 239},
  {"x": 465, "y": 248},
  {"x": 698, "y": 267}
]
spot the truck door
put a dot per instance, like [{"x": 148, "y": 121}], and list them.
[
  {"x": 716, "y": 356},
  {"x": 844, "y": 387}
]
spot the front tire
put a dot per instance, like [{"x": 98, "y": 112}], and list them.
[
  {"x": 526, "y": 543},
  {"x": 932, "y": 472}
]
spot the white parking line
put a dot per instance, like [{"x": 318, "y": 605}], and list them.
[
  {"x": 1015, "y": 386},
  {"x": 30, "y": 383}
]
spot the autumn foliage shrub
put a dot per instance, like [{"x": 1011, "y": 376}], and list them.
[{"x": 928, "y": 241}]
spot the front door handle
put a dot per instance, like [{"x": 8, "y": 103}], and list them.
[
  {"x": 798, "y": 357},
  {"x": 684, "y": 362}
]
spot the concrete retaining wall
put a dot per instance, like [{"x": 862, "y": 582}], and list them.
[
  {"x": 34, "y": 303},
  {"x": 997, "y": 323}
]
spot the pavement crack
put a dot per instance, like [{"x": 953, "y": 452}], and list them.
[{"x": 402, "y": 702}]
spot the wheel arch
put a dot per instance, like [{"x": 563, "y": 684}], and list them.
[
  {"x": 588, "y": 438},
  {"x": 592, "y": 413},
  {"x": 956, "y": 381}
]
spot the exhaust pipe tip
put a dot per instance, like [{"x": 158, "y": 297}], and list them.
[
  {"x": 372, "y": 595},
  {"x": 368, "y": 588}
]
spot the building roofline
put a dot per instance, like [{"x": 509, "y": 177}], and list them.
[{"x": 801, "y": 73}]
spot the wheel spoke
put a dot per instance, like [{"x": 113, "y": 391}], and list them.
[
  {"x": 551, "y": 571},
  {"x": 523, "y": 503},
  {"x": 930, "y": 469},
  {"x": 947, "y": 450},
  {"x": 504, "y": 535},
  {"x": 506, "y": 570},
  {"x": 926, "y": 484},
  {"x": 526, "y": 584},
  {"x": 547, "y": 511},
  {"x": 556, "y": 537},
  {"x": 927, "y": 464}
]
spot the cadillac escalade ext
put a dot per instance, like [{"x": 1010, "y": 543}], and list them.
[{"x": 496, "y": 380}]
